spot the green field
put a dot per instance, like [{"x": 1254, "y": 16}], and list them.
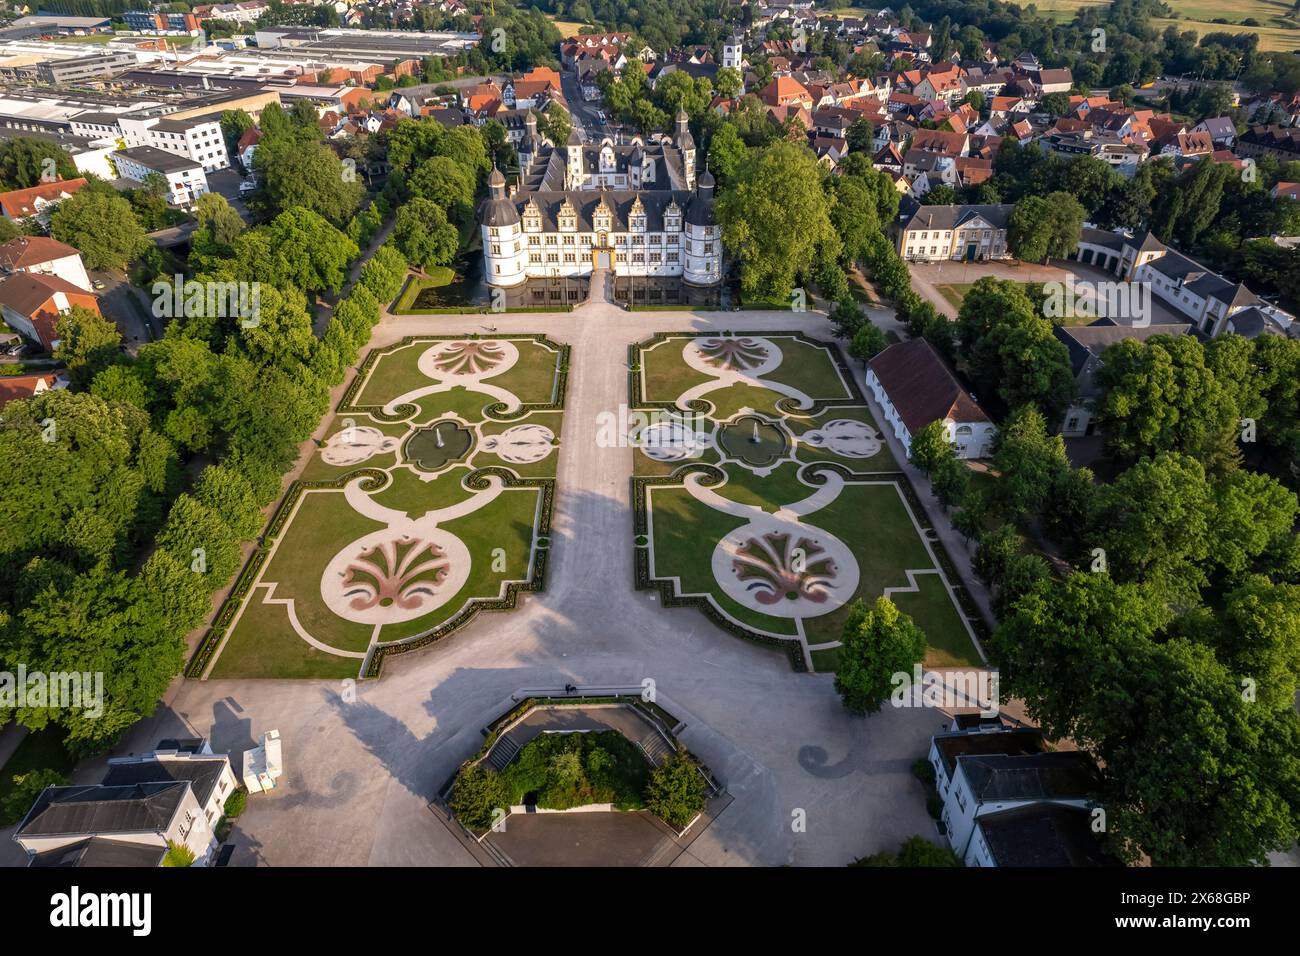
[
  {"x": 427, "y": 502},
  {"x": 1277, "y": 30},
  {"x": 864, "y": 532}
]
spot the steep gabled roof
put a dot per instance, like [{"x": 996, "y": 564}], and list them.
[
  {"x": 922, "y": 387},
  {"x": 22, "y": 252}
]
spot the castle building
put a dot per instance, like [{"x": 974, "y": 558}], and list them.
[{"x": 630, "y": 208}]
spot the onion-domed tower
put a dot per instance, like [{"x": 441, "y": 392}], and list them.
[
  {"x": 504, "y": 254},
  {"x": 703, "y": 261}
]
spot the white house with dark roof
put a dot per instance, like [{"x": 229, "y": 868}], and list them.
[
  {"x": 1210, "y": 302},
  {"x": 1009, "y": 801},
  {"x": 969, "y": 233},
  {"x": 176, "y": 794},
  {"x": 915, "y": 387},
  {"x": 186, "y": 180}
]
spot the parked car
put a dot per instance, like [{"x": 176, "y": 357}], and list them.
[
  {"x": 97, "y": 285},
  {"x": 247, "y": 186}
]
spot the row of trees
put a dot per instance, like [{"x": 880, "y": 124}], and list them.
[{"x": 113, "y": 556}]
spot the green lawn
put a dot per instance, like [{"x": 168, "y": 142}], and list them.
[
  {"x": 870, "y": 514},
  {"x": 264, "y": 645},
  {"x": 396, "y": 372},
  {"x": 498, "y": 535}
]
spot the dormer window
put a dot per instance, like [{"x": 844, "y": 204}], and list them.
[{"x": 532, "y": 219}]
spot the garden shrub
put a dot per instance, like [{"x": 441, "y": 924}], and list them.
[
  {"x": 478, "y": 793},
  {"x": 676, "y": 791}
]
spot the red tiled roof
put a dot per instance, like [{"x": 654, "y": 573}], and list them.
[
  {"x": 29, "y": 294},
  {"x": 21, "y": 203},
  {"x": 25, "y": 386},
  {"x": 23, "y": 251},
  {"x": 921, "y": 386}
]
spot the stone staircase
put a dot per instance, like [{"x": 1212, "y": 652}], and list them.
[
  {"x": 655, "y": 748},
  {"x": 503, "y": 751}
]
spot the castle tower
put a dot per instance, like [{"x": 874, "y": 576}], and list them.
[
  {"x": 703, "y": 261},
  {"x": 574, "y": 174},
  {"x": 683, "y": 140},
  {"x": 530, "y": 145},
  {"x": 503, "y": 242}
]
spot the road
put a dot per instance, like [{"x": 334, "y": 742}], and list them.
[{"x": 585, "y": 116}]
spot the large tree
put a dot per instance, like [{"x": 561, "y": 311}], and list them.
[
  {"x": 1091, "y": 660},
  {"x": 26, "y": 162},
  {"x": 1160, "y": 395},
  {"x": 423, "y": 235},
  {"x": 297, "y": 248},
  {"x": 775, "y": 218},
  {"x": 877, "y": 644},
  {"x": 444, "y": 181},
  {"x": 293, "y": 174},
  {"x": 1013, "y": 354},
  {"x": 88, "y": 343},
  {"x": 102, "y": 226},
  {"x": 1045, "y": 227}
]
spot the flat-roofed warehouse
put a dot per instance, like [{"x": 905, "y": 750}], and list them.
[
  {"x": 374, "y": 44},
  {"x": 49, "y": 24}
]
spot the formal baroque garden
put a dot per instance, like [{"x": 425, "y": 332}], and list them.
[
  {"x": 428, "y": 500},
  {"x": 765, "y": 495}
]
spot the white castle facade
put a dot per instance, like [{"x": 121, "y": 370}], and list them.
[{"x": 633, "y": 209}]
